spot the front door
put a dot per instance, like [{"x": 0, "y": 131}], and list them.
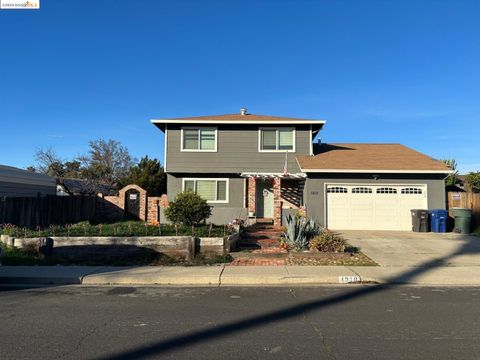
[{"x": 264, "y": 199}]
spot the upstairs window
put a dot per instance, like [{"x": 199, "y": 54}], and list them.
[
  {"x": 277, "y": 139},
  {"x": 199, "y": 139},
  {"x": 212, "y": 190}
]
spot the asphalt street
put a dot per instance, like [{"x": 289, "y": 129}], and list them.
[{"x": 350, "y": 322}]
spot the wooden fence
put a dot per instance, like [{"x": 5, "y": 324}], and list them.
[
  {"x": 44, "y": 211},
  {"x": 466, "y": 200}
]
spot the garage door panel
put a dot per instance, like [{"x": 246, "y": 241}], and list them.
[
  {"x": 361, "y": 212},
  {"x": 408, "y": 202},
  {"x": 337, "y": 208},
  {"x": 375, "y": 207}
]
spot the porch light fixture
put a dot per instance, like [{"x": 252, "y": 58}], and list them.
[{"x": 375, "y": 176}]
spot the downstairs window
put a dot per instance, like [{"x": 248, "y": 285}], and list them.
[{"x": 212, "y": 190}]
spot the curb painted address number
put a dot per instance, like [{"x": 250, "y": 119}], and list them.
[{"x": 349, "y": 279}]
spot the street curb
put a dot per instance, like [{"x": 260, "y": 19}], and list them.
[
  {"x": 22, "y": 280},
  {"x": 241, "y": 276}
]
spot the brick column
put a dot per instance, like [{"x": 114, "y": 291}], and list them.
[
  {"x": 277, "y": 201},
  {"x": 251, "y": 184},
  {"x": 152, "y": 209}
]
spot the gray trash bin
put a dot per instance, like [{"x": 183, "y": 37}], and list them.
[{"x": 420, "y": 220}]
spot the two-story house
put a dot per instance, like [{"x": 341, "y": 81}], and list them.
[{"x": 263, "y": 167}]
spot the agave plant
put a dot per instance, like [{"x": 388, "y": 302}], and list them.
[{"x": 299, "y": 232}]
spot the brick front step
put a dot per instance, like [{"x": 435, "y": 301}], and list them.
[
  {"x": 268, "y": 243},
  {"x": 261, "y": 240},
  {"x": 260, "y": 234},
  {"x": 263, "y": 244}
]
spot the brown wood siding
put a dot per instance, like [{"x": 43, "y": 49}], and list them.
[
  {"x": 237, "y": 151},
  {"x": 466, "y": 200}
]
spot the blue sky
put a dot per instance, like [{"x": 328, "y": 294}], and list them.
[{"x": 377, "y": 71}]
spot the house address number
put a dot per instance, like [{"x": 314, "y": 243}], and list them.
[
  {"x": 349, "y": 279},
  {"x": 313, "y": 192}
]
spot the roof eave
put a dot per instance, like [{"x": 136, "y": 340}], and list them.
[
  {"x": 214, "y": 121},
  {"x": 360, "y": 171}
]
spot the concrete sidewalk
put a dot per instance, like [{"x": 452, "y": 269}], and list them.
[{"x": 236, "y": 275}]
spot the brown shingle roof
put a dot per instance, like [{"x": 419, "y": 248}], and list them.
[{"x": 369, "y": 157}]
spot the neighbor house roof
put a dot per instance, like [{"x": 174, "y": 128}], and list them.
[
  {"x": 359, "y": 158},
  {"x": 238, "y": 118},
  {"x": 16, "y": 175},
  {"x": 84, "y": 187}
]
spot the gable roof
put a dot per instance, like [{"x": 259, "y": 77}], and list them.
[
  {"x": 361, "y": 158},
  {"x": 238, "y": 119}
]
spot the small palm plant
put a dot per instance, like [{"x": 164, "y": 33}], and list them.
[{"x": 299, "y": 231}]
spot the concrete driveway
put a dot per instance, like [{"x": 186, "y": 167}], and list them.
[{"x": 402, "y": 248}]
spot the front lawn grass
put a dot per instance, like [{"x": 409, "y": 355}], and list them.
[
  {"x": 120, "y": 229},
  {"x": 16, "y": 256}
]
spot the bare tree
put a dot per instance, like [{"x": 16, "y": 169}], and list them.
[
  {"x": 107, "y": 161},
  {"x": 49, "y": 163}
]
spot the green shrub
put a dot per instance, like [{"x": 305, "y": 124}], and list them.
[
  {"x": 299, "y": 231},
  {"x": 328, "y": 241},
  {"x": 188, "y": 209}
]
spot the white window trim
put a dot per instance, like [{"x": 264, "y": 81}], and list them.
[
  {"x": 216, "y": 189},
  {"x": 198, "y": 128},
  {"x": 276, "y": 128}
]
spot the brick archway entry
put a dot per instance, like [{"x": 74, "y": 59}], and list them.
[{"x": 133, "y": 196}]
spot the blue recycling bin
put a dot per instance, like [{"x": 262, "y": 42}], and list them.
[{"x": 439, "y": 219}]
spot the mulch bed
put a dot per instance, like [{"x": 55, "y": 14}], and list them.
[
  {"x": 301, "y": 258},
  {"x": 350, "y": 259}
]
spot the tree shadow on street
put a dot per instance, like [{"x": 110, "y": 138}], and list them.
[{"x": 229, "y": 329}]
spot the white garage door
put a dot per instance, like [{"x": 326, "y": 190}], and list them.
[{"x": 373, "y": 207}]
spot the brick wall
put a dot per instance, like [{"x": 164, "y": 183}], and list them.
[{"x": 113, "y": 207}]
